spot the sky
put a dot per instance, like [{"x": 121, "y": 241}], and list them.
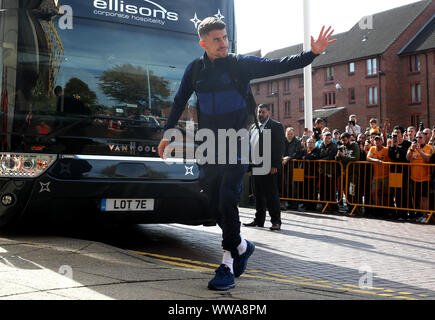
[{"x": 274, "y": 24}]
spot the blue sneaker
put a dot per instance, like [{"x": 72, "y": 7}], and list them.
[
  {"x": 223, "y": 280},
  {"x": 241, "y": 261}
]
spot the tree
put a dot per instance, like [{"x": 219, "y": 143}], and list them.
[
  {"x": 129, "y": 84},
  {"x": 80, "y": 90}
]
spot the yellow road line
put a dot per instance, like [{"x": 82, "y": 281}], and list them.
[
  {"x": 287, "y": 281},
  {"x": 192, "y": 264},
  {"x": 404, "y": 292},
  {"x": 372, "y": 288},
  {"x": 405, "y": 298},
  {"x": 159, "y": 256},
  {"x": 186, "y": 265},
  {"x": 389, "y": 290}
]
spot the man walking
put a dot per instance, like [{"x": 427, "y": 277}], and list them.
[
  {"x": 222, "y": 107},
  {"x": 266, "y": 186}
]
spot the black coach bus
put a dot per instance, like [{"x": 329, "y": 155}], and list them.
[{"x": 86, "y": 87}]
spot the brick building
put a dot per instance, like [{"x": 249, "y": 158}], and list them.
[{"x": 385, "y": 71}]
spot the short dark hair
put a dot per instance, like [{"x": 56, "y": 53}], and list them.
[
  {"x": 373, "y": 120},
  {"x": 319, "y": 120},
  {"x": 345, "y": 135},
  {"x": 400, "y": 128},
  {"x": 264, "y": 106},
  {"x": 209, "y": 24}
]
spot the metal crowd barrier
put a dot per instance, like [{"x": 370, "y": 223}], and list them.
[
  {"x": 316, "y": 181},
  {"x": 391, "y": 186}
]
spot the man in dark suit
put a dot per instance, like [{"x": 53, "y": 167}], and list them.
[{"x": 266, "y": 186}]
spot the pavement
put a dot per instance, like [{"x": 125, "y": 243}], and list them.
[
  {"x": 71, "y": 269},
  {"x": 59, "y": 268}
]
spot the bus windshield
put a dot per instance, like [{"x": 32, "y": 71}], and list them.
[{"x": 96, "y": 87}]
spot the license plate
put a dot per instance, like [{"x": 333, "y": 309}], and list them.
[{"x": 127, "y": 204}]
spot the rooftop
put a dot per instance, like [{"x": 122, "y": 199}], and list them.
[{"x": 359, "y": 43}]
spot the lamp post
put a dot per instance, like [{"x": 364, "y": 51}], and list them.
[
  {"x": 149, "y": 87},
  {"x": 149, "y": 80},
  {"x": 308, "y": 94}
]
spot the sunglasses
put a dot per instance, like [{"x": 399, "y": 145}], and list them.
[{"x": 420, "y": 137}]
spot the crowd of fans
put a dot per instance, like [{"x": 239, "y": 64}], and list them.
[{"x": 375, "y": 145}]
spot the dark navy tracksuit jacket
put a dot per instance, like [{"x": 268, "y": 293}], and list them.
[{"x": 221, "y": 106}]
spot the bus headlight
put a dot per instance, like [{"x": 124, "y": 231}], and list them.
[
  {"x": 22, "y": 165},
  {"x": 9, "y": 163}
]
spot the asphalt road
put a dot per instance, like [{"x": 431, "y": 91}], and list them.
[
  {"x": 324, "y": 256},
  {"x": 376, "y": 258}
]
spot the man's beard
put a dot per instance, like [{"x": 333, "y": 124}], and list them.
[{"x": 261, "y": 119}]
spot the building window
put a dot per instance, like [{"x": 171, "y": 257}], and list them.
[
  {"x": 301, "y": 105},
  {"x": 351, "y": 67},
  {"x": 372, "y": 96},
  {"x": 414, "y": 63},
  {"x": 287, "y": 85},
  {"x": 271, "y": 88},
  {"x": 415, "y": 120},
  {"x": 329, "y": 73},
  {"x": 329, "y": 98},
  {"x": 352, "y": 95},
  {"x": 272, "y": 107},
  {"x": 287, "y": 108},
  {"x": 301, "y": 82},
  {"x": 371, "y": 67},
  {"x": 415, "y": 93},
  {"x": 257, "y": 89}
]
